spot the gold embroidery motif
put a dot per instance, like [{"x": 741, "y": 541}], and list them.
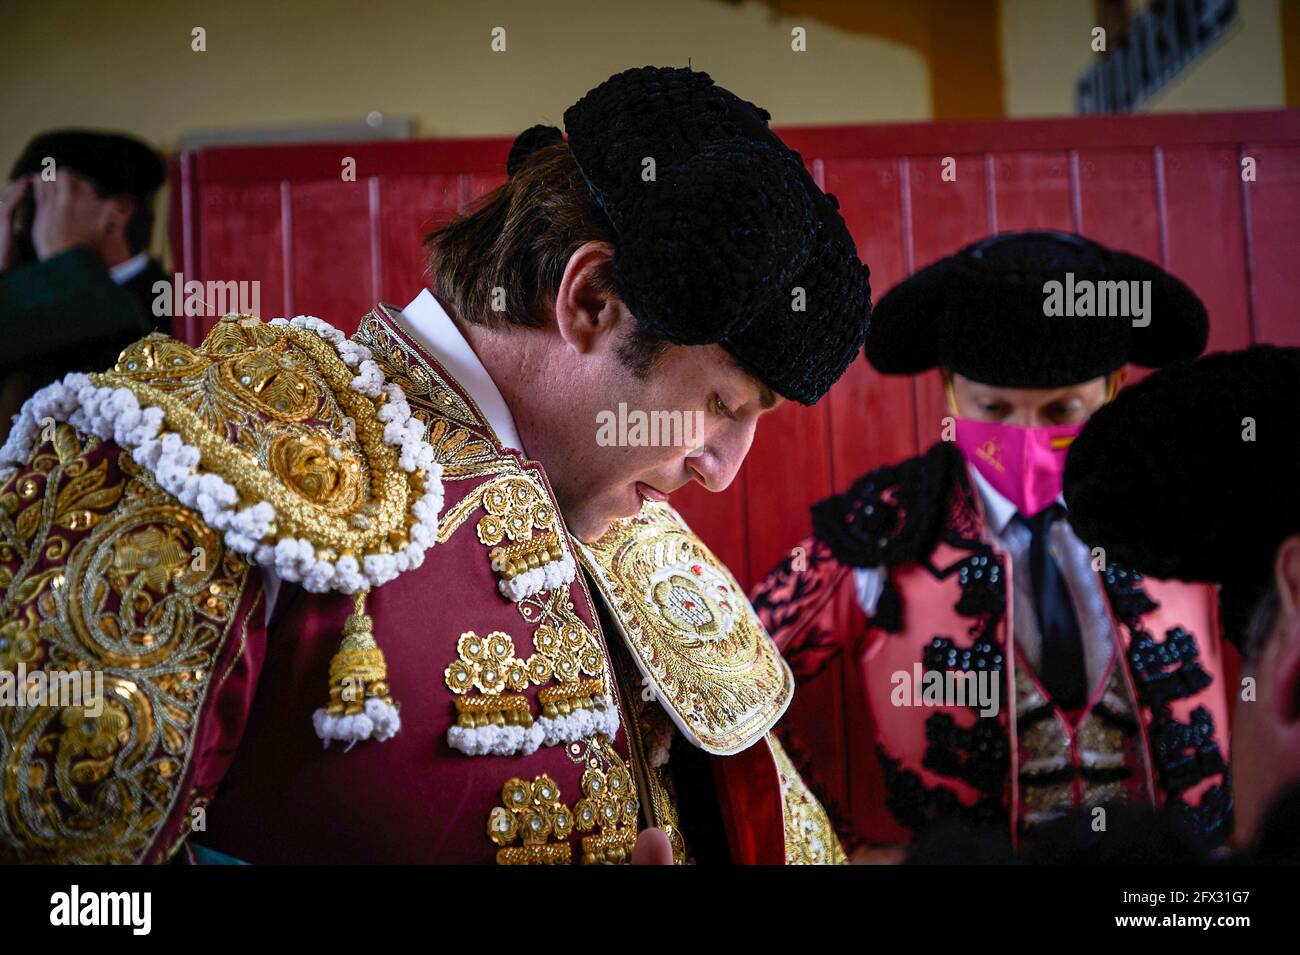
[
  {"x": 477, "y": 711},
  {"x": 76, "y": 786},
  {"x": 423, "y": 385},
  {"x": 318, "y": 469},
  {"x": 562, "y": 700},
  {"x": 271, "y": 409},
  {"x": 647, "y": 726},
  {"x": 810, "y": 838},
  {"x": 526, "y": 555},
  {"x": 514, "y": 509},
  {"x": 609, "y": 803},
  {"x": 489, "y": 665},
  {"x": 155, "y": 553},
  {"x": 460, "y": 453},
  {"x": 518, "y": 509},
  {"x": 532, "y": 813},
  {"x": 692, "y": 630},
  {"x": 435, "y": 402},
  {"x": 1047, "y": 792},
  {"x": 562, "y": 640}
]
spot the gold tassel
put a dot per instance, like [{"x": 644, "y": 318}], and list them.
[{"x": 361, "y": 706}]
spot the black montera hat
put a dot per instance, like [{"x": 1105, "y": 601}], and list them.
[
  {"x": 716, "y": 246},
  {"x": 984, "y": 313},
  {"x": 117, "y": 164},
  {"x": 1194, "y": 474}
]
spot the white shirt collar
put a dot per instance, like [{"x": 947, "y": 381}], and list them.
[
  {"x": 434, "y": 330},
  {"x": 128, "y": 269},
  {"x": 998, "y": 509}
]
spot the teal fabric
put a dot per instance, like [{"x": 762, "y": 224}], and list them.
[
  {"x": 67, "y": 311},
  {"x": 205, "y": 856}
]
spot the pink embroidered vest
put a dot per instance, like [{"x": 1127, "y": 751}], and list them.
[{"x": 1153, "y": 731}]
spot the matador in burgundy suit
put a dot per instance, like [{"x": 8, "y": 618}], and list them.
[{"x": 340, "y": 616}]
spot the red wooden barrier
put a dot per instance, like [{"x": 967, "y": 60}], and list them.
[{"x": 1168, "y": 187}]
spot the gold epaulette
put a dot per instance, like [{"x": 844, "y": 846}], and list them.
[
  {"x": 283, "y": 435},
  {"x": 289, "y": 443},
  {"x": 695, "y": 637}
]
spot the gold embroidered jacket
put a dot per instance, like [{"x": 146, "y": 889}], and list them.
[{"x": 436, "y": 683}]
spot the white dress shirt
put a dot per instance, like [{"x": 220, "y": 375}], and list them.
[
  {"x": 1071, "y": 555},
  {"x": 429, "y": 325},
  {"x": 128, "y": 269},
  {"x": 434, "y": 331}
]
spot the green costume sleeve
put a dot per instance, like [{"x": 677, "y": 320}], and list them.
[{"x": 67, "y": 305}]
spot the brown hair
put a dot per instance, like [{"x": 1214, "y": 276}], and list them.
[{"x": 519, "y": 238}]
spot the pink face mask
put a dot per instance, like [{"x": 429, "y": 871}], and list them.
[{"x": 1025, "y": 465}]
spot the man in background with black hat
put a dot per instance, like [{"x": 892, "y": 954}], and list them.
[
  {"x": 126, "y": 175},
  {"x": 1194, "y": 474},
  {"x": 76, "y": 278},
  {"x": 567, "y": 674},
  {"x": 1007, "y": 673}
]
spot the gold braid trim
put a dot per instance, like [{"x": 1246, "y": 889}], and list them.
[{"x": 810, "y": 838}]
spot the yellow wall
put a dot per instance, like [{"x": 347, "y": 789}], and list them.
[
  {"x": 958, "y": 39},
  {"x": 129, "y": 65},
  {"x": 1047, "y": 47},
  {"x": 1243, "y": 72}
]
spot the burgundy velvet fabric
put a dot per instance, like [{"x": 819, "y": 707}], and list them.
[{"x": 409, "y": 799}]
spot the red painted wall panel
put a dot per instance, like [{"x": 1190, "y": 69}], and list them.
[
  {"x": 329, "y": 251},
  {"x": 787, "y": 471},
  {"x": 944, "y": 215},
  {"x": 1168, "y": 187},
  {"x": 410, "y": 208},
  {"x": 1118, "y": 200},
  {"x": 871, "y": 201},
  {"x": 1032, "y": 190},
  {"x": 242, "y": 240},
  {"x": 1274, "y": 242},
  {"x": 1206, "y": 237}
]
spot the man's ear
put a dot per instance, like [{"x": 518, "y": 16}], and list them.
[
  {"x": 586, "y": 314},
  {"x": 118, "y": 211},
  {"x": 1286, "y": 681},
  {"x": 1286, "y": 575}
]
